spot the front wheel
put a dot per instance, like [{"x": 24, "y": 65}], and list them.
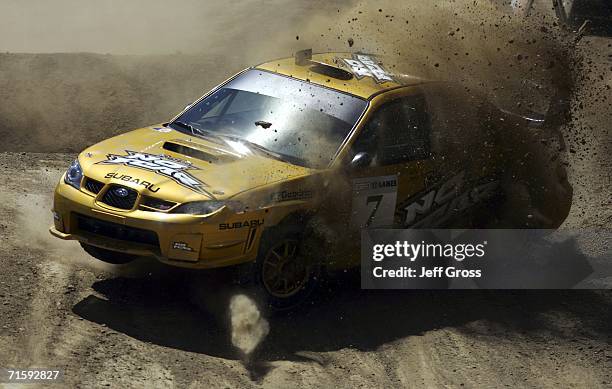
[{"x": 284, "y": 271}]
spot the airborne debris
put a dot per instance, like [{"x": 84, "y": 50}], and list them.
[{"x": 249, "y": 327}]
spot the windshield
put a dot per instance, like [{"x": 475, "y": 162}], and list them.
[{"x": 293, "y": 120}]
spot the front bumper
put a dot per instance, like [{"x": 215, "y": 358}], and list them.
[{"x": 190, "y": 241}]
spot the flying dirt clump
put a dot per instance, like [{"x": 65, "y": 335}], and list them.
[{"x": 249, "y": 327}]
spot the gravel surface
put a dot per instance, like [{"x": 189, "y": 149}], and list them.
[{"x": 148, "y": 325}]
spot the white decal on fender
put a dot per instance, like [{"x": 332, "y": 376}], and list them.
[
  {"x": 373, "y": 204},
  {"x": 439, "y": 205}
]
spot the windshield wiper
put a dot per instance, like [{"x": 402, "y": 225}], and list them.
[
  {"x": 280, "y": 157},
  {"x": 195, "y": 130},
  {"x": 252, "y": 144},
  {"x": 189, "y": 127}
]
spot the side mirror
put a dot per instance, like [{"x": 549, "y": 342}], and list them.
[{"x": 361, "y": 159}]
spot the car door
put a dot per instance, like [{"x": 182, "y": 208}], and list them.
[
  {"x": 387, "y": 162},
  {"x": 396, "y": 148}
]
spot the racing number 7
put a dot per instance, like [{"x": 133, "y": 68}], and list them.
[{"x": 373, "y": 199}]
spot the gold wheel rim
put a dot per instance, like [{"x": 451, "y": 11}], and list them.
[{"x": 283, "y": 273}]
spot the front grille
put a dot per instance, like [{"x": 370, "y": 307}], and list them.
[
  {"x": 93, "y": 186},
  {"x": 116, "y": 231},
  {"x": 113, "y": 198}
]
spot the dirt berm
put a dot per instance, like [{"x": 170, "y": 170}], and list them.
[{"x": 66, "y": 102}]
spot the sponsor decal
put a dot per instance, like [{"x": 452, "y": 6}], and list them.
[
  {"x": 246, "y": 223},
  {"x": 181, "y": 246},
  {"x": 366, "y": 66},
  {"x": 440, "y": 204},
  {"x": 164, "y": 165},
  {"x": 374, "y": 200},
  {"x": 374, "y": 183},
  {"x": 292, "y": 195},
  {"x": 123, "y": 177}
]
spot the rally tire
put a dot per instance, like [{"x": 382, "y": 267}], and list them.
[{"x": 284, "y": 276}]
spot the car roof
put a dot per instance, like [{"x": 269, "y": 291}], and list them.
[{"x": 330, "y": 70}]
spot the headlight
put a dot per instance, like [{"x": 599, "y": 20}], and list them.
[
  {"x": 207, "y": 207},
  {"x": 74, "y": 175},
  {"x": 200, "y": 207}
]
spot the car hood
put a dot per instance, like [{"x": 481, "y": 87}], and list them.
[{"x": 164, "y": 163}]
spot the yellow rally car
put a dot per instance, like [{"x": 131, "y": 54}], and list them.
[{"x": 280, "y": 167}]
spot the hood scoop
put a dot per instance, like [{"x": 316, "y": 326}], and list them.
[
  {"x": 190, "y": 151},
  {"x": 198, "y": 151}
]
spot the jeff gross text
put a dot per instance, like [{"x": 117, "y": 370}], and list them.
[{"x": 411, "y": 252}]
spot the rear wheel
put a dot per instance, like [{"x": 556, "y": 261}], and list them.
[
  {"x": 108, "y": 256},
  {"x": 538, "y": 195},
  {"x": 536, "y": 191}
]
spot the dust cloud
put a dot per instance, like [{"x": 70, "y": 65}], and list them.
[
  {"x": 153, "y": 57},
  {"x": 73, "y": 73},
  {"x": 516, "y": 60},
  {"x": 32, "y": 227},
  {"x": 249, "y": 327},
  {"x": 153, "y": 27}
]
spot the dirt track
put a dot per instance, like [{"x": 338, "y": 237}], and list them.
[
  {"x": 158, "y": 327},
  {"x": 153, "y": 326}
]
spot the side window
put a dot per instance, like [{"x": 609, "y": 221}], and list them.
[{"x": 398, "y": 132}]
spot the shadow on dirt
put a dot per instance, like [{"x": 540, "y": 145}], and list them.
[
  {"x": 159, "y": 309},
  {"x": 163, "y": 311}
]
